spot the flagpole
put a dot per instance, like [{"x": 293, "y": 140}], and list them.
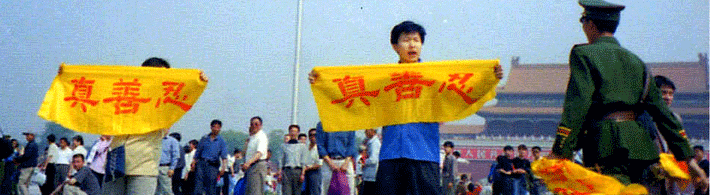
[{"x": 297, "y": 64}]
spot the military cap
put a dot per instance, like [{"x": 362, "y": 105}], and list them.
[{"x": 601, "y": 10}]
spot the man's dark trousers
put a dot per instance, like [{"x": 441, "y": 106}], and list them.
[
  {"x": 313, "y": 182},
  {"x": 206, "y": 178},
  {"x": 407, "y": 176},
  {"x": 291, "y": 181},
  {"x": 176, "y": 180}
]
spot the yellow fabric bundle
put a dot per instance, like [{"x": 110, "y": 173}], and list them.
[
  {"x": 566, "y": 177},
  {"x": 674, "y": 168}
]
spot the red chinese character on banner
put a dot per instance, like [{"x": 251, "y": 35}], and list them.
[
  {"x": 408, "y": 84},
  {"x": 172, "y": 95},
  {"x": 82, "y": 93},
  {"x": 126, "y": 97},
  {"x": 353, "y": 87},
  {"x": 462, "y": 79}
]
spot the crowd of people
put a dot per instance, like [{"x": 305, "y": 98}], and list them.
[
  {"x": 308, "y": 163},
  {"x": 512, "y": 174}
]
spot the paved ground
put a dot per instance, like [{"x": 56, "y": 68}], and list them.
[{"x": 34, "y": 190}]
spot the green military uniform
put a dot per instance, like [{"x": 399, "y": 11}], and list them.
[{"x": 606, "y": 80}]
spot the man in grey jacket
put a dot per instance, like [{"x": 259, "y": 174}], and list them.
[
  {"x": 447, "y": 172},
  {"x": 293, "y": 158}
]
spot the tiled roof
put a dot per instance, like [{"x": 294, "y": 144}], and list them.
[{"x": 689, "y": 77}]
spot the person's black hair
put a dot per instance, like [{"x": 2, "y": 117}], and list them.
[
  {"x": 522, "y": 147},
  {"x": 536, "y": 148},
  {"x": 406, "y": 27},
  {"x": 176, "y": 135},
  {"x": 470, "y": 187},
  {"x": 508, "y": 147},
  {"x": 312, "y": 129},
  {"x": 155, "y": 62},
  {"x": 256, "y": 117},
  {"x": 216, "y": 122},
  {"x": 449, "y": 144},
  {"x": 194, "y": 142},
  {"x": 236, "y": 150},
  {"x": 661, "y": 81},
  {"x": 698, "y": 147},
  {"x": 78, "y": 155},
  {"x": 51, "y": 138},
  {"x": 605, "y": 25},
  {"x": 457, "y": 154},
  {"x": 292, "y": 126},
  {"x": 64, "y": 139},
  {"x": 302, "y": 135},
  {"x": 79, "y": 139}
]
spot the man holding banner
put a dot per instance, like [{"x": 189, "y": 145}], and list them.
[
  {"x": 135, "y": 105},
  {"x": 409, "y": 156},
  {"x": 141, "y": 156}
]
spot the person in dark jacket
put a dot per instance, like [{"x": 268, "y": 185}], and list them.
[{"x": 27, "y": 162}]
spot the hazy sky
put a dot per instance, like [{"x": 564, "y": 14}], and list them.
[{"x": 246, "y": 48}]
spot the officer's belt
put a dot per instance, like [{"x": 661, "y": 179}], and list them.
[{"x": 621, "y": 116}]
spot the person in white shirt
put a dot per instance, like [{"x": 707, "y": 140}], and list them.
[
  {"x": 49, "y": 164},
  {"x": 311, "y": 171},
  {"x": 255, "y": 165},
  {"x": 188, "y": 173},
  {"x": 64, "y": 156},
  {"x": 78, "y": 146}
]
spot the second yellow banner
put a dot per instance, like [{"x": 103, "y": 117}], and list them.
[{"x": 359, "y": 97}]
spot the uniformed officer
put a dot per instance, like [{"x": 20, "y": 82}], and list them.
[{"x": 604, "y": 95}]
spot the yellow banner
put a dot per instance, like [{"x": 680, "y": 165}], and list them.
[
  {"x": 360, "y": 97},
  {"x": 120, "y": 100}
]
